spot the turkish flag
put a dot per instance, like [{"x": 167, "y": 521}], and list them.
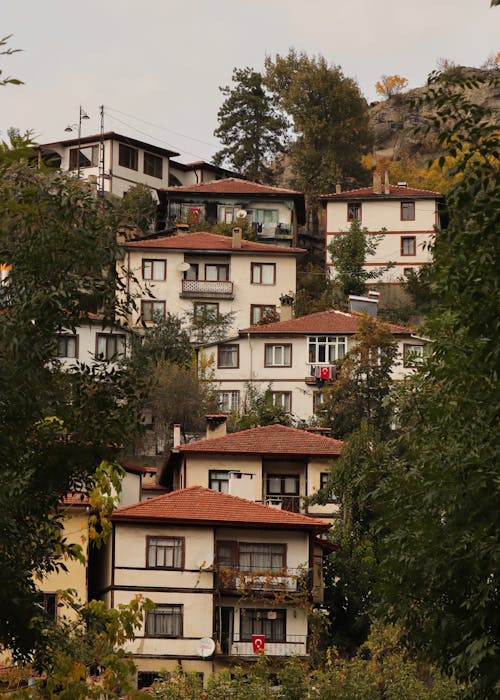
[
  {"x": 325, "y": 373},
  {"x": 258, "y": 643}
]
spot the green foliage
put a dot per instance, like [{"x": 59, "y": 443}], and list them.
[
  {"x": 8, "y": 52},
  {"x": 419, "y": 286},
  {"x": 165, "y": 341},
  {"x": 18, "y": 147},
  {"x": 259, "y": 409},
  {"x": 205, "y": 325},
  {"x": 250, "y": 127},
  {"x": 439, "y": 506},
  {"x": 315, "y": 292},
  {"x": 348, "y": 252},
  {"x": 139, "y": 209}
]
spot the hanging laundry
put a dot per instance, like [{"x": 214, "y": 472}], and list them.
[
  {"x": 325, "y": 373},
  {"x": 317, "y": 372}
]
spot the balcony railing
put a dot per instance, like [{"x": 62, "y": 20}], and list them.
[
  {"x": 313, "y": 372},
  {"x": 230, "y": 580},
  {"x": 289, "y": 503},
  {"x": 207, "y": 288},
  {"x": 293, "y": 645}
]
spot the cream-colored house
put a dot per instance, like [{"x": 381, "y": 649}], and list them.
[
  {"x": 409, "y": 217},
  {"x": 208, "y": 275},
  {"x": 196, "y": 173},
  {"x": 289, "y": 355},
  {"x": 93, "y": 340},
  {"x": 273, "y": 464},
  {"x": 116, "y": 162},
  {"x": 220, "y": 570}
]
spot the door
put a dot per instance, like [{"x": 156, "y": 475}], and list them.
[{"x": 226, "y": 628}]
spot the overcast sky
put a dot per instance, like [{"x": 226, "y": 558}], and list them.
[{"x": 156, "y": 65}]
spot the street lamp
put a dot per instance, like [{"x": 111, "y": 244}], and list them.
[{"x": 71, "y": 127}]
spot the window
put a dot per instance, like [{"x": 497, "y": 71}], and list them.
[
  {"x": 265, "y": 216},
  {"x": 318, "y": 401},
  {"x": 145, "y": 679},
  {"x": 154, "y": 269},
  {"x": 48, "y": 603},
  {"x": 164, "y": 621},
  {"x": 354, "y": 211},
  {"x": 228, "y": 356},
  {"x": 192, "y": 273},
  {"x": 165, "y": 552},
  {"x": 263, "y": 313},
  {"x": 326, "y": 349},
  {"x": 278, "y": 356},
  {"x": 282, "y": 485},
  {"x": 408, "y": 245},
  {"x": 407, "y": 211},
  {"x": 67, "y": 346},
  {"x": 216, "y": 273},
  {"x": 323, "y": 483},
  {"x": 89, "y": 157},
  {"x": 263, "y": 273},
  {"x": 227, "y": 214},
  {"x": 110, "y": 345},
  {"x": 282, "y": 399},
  {"x": 261, "y": 557},
  {"x": 218, "y": 480},
  {"x": 153, "y": 165},
  {"x": 270, "y": 623},
  {"x": 411, "y": 354},
  {"x": 128, "y": 157},
  {"x": 205, "y": 311},
  {"x": 407, "y": 271},
  {"x": 229, "y": 401},
  {"x": 152, "y": 310}
]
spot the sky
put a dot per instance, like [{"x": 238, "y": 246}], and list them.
[{"x": 157, "y": 65}]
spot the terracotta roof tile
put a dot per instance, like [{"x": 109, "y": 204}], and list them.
[
  {"x": 395, "y": 192},
  {"x": 231, "y": 185},
  {"x": 210, "y": 241},
  {"x": 197, "y": 505},
  {"x": 331, "y": 321},
  {"x": 269, "y": 440}
]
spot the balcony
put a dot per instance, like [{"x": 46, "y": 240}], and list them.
[
  {"x": 292, "y": 645},
  {"x": 205, "y": 289},
  {"x": 261, "y": 581},
  {"x": 315, "y": 369},
  {"x": 289, "y": 503}
]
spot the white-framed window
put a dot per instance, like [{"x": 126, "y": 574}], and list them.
[
  {"x": 165, "y": 552},
  {"x": 263, "y": 273},
  {"x": 266, "y": 216},
  {"x": 218, "y": 480},
  {"x": 412, "y": 354},
  {"x": 67, "y": 346},
  {"x": 154, "y": 269},
  {"x": 326, "y": 349},
  {"x": 152, "y": 310},
  {"x": 164, "y": 621},
  {"x": 282, "y": 399},
  {"x": 110, "y": 345},
  {"x": 229, "y": 401},
  {"x": 278, "y": 355},
  {"x": 228, "y": 356}
]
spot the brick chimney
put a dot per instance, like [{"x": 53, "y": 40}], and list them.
[
  {"x": 377, "y": 182},
  {"x": 236, "y": 237},
  {"x": 216, "y": 425},
  {"x": 387, "y": 189}
]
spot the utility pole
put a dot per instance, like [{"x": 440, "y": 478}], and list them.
[{"x": 101, "y": 154}]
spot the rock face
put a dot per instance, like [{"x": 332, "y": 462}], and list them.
[{"x": 394, "y": 120}]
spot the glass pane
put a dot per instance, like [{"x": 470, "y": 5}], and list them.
[
  {"x": 158, "y": 270},
  {"x": 211, "y": 273},
  {"x": 274, "y": 484},
  {"x": 267, "y": 274}
]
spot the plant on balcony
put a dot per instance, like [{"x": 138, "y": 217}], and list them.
[{"x": 265, "y": 584}]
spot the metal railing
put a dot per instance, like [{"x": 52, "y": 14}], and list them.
[
  {"x": 289, "y": 503},
  {"x": 207, "y": 287},
  {"x": 263, "y": 580},
  {"x": 293, "y": 645}
]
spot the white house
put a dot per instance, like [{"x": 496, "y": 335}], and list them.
[
  {"x": 116, "y": 162},
  {"x": 93, "y": 340},
  {"x": 220, "y": 571},
  {"x": 197, "y": 172},
  {"x": 409, "y": 217},
  {"x": 208, "y": 275},
  {"x": 289, "y": 355}
]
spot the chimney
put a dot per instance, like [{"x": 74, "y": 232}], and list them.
[
  {"x": 364, "y": 305},
  {"x": 338, "y": 188},
  {"x": 286, "y": 310},
  {"x": 387, "y": 189},
  {"x": 177, "y": 436},
  {"x": 236, "y": 237},
  {"x": 216, "y": 425},
  {"x": 377, "y": 182}
]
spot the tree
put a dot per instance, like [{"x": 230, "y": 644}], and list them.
[
  {"x": 165, "y": 341},
  {"x": 139, "y": 209},
  {"x": 315, "y": 292},
  {"x": 439, "y": 505},
  {"x": 390, "y": 85},
  {"x": 260, "y": 408},
  {"x": 250, "y": 127},
  {"x": 8, "y": 52},
  {"x": 348, "y": 252},
  {"x": 208, "y": 325},
  {"x": 57, "y": 238}
]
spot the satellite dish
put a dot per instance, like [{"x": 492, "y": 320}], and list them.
[
  {"x": 183, "y": 266},
  {"x": 205, "y": 647},
  {"x": 241, "y": 214}
]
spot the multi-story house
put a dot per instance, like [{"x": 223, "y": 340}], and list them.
[
  {"x": 208, "y": 275},
  {"x": 273, "y": 464},
  {"x": 296, "y": 358},
  {"x": 274, "y": 212},
  {"x": 93, "y": 340},
  {"x": 116, "y": 162},
  {"x": 228, "y": 578},
  {"x": 408, "y": 217},
  {"x": 197, "y": 173}
]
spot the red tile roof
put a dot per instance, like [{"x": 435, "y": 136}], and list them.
[
  {"x": 202, "y": 241},
  {"x": 268, "y": 440},
  {"x": 231, "y": 185},
  {"x": 199, "y": 505},
  {"x": 331, "y": 321},
  {"x": 395, "y": 192}
]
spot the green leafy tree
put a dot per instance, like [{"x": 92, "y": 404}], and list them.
[
  {"x": 138, "y": 208},
  {"x": 315, "y": 291},
  {"x": 5, "y": 50},
  {"x": 348, "y": 253},
  {"x": 250, "y": 127},
  {"x": 207, "y": 325},
  {"x": 439, "y": 507},
  {"x": 259, "y": 409},
  {"x": 165, "y": 341}
]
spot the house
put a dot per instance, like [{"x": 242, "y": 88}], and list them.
[
  {"x": 289, "y": 354},
  {"x": 273, "y": 464},
  {"x": 116, "y": 162},
  {"x": 274, "y": 212},
  {"x": 208, "y": 276},
  {"x": 221, "y": 571},
  {"x": 197, "y": 173},
  {"x": 408, "y": 217},
  {"x": 93, "y": 340}
]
